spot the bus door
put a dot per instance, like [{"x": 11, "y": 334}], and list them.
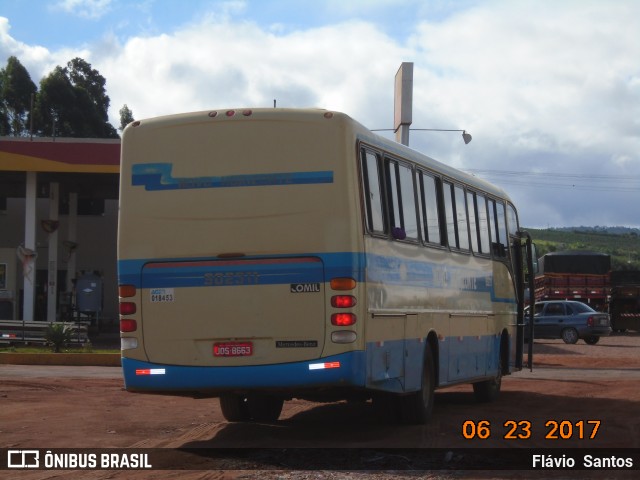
[{"x": 524, "y": 269}]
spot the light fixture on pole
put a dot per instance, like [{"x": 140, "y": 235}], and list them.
[{"x": 466, "y": 136}]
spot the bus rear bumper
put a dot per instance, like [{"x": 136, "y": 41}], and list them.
[{"x": 344, "y": 370}]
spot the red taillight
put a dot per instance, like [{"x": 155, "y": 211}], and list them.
[
  {"x": 127, "y": 308},
  {"x": 343, "y": 319},
  {"x": 230, "y": 113},
  {"x": 343, "y": 301},
  {"x": 128, "y": 325},
  {"x": 590, "y": 322}
]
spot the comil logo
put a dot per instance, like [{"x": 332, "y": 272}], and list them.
[
  {"x": 23, "y": 459},
  {"x": 305, "y": 288}
]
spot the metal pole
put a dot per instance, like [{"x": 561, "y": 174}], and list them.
[{"x": 403, "y": 102}]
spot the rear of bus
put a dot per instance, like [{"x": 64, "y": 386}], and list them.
[{"x": 237, "y": 253}]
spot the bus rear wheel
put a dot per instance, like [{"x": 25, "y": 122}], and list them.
[
  {"x": 235, "y": 408},
  {"x": 256, "y": 407},
  {"x": 265, "y": 408},
  {"x": 417, "y": 407}
]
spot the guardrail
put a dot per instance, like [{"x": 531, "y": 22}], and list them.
[{"x": 15, "y": 331}]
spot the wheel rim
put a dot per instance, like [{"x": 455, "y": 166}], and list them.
[{"x": 570, "y": 335}]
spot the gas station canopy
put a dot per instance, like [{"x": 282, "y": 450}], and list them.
[{"x": 89, "y": 167}]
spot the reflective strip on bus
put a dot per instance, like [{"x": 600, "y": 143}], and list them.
[
  {"x": 323, "y": 366},
  {"x": 151, "y": 371}
]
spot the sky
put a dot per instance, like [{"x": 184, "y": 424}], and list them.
[{"x": 549, "y": 89}]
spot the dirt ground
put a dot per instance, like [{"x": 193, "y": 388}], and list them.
[{"x": 569, "y": 383}]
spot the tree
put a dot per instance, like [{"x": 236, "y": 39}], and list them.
[
  {"x": 72, "y": 102},
  {"x": 16, "y": 90},
  {"x": 126, "y": 116},
  {"x": 82, "y": 76}
]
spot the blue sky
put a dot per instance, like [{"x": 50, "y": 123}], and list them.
[
  {"x": 550, "y": 90},
  {"x": 65, "y": 23}
]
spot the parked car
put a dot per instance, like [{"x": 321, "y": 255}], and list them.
[{"x": 568, "y": 320}]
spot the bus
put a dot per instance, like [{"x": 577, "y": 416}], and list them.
[{"x": 271, "y": 254}]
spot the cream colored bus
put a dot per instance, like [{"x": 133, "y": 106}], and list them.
[{"x": 268, "y": 254}]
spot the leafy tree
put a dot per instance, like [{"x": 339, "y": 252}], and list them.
[
  {"x": 126, "y": 116},
  {"x": 16, "y": 90},
  {"x": 72, "y": 102},
  {"x": 83, "y": 77}
]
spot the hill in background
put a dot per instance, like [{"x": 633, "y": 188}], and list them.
[{"x": 622, "y": 243}]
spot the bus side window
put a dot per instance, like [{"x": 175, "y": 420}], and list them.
[
  {"x": 429, "y": 208},
  {"x": 483, "y": 224},
  {"x": 408, "y": 193},
  {"x": 498, "y": 225},
  {"x": 372, "y": 193},
  {"x": 473, "y": 224},
  {"x": 493, "y": 228},
  {"x": 512, "y": 220},
  {"x": 404, "y": 223},
  {"x": 449, "y": 215},
  {"x": 461, "y": 218},
  {"x": 502, "y": 228}
]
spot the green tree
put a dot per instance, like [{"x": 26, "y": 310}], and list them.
[
  {"x": 126, "y": 116},
  {"x": 72, "y": 102},
  {"x": 16, "y": 90}
]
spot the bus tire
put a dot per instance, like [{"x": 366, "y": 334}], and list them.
[
  {"x": 264, "y": 408},
  {"x": 417, "y": 407},
  {"x": 488, "y": 390},
  {"x": 235, "y": 408}
]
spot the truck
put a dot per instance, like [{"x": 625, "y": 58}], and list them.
[
  {"x": 575, "y": 275},
  {"x": 624, "y": 300}
]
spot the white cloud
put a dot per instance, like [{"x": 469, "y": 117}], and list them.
[
  {"x": 546, "y": 86},
  {"x": 221, "y": 64}
]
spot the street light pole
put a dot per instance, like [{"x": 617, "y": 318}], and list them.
[
  {"x": 403, "y": 102},
  {"x": 403, "y": 108}
]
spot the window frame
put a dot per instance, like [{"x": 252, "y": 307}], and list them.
[
  {"x": 366, "y": 193},
  {"x": 396, "y": 193},
  {"x": 426, "y": 223}
]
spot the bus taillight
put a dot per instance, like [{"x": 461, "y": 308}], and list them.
[
  {"x": 126, "y": 291},
  {"x": 127, "y": 308},
  {"x": 128, "y": 325},
  {"x": 343, "y": 283},
  {"x": 343, "y": 319},
  {"x": 343, "y": 301}
]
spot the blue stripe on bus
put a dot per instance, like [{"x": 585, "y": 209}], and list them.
[
  {"x": 190, "y": 272},
  {"x": 396, "y": 365},
  {"x": 158, "y": 176},
  {"x": 351, "y": 373},
  {"x": 473, "y": 358}
]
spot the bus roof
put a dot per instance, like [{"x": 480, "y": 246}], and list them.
[{"x": 315, "y": 114}]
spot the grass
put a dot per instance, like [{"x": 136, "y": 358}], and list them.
[{"x": 45, "y": 349}]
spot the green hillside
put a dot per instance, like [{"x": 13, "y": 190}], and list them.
[{"x": 623, "y": 244}]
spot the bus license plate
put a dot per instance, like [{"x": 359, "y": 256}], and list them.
[{"x": 233, "y": 349}]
